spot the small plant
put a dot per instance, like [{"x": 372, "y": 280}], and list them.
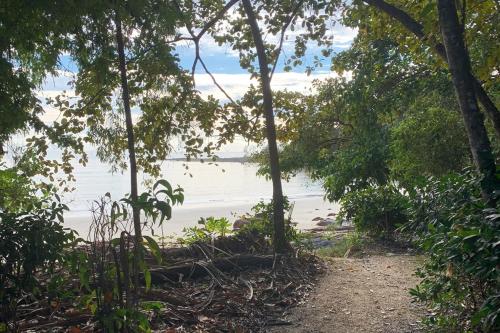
[
  {"x": 108, "y": 266},
  {"x": 261, "y": 221},
  {"x": 350, "y": 243},
  {"x": 211, "y": 228}
]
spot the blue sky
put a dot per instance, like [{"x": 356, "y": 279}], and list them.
[
  {"x": 224, "y": 63},
  {"x": 221, "y": 60}
]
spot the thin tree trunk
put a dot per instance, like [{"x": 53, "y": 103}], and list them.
[
  {"x": 418, "y": 30},
  {"x": 131, "y": 151},
  {"x": 459, "y": 64},
  {"x": 280, "y": 243}
]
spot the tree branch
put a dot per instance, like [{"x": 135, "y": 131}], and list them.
[
  {"x": 282, "y": 37},
  {"x": 418, "y": 30},
  {"x": 196, "y": 39},
  {"x": 217, "y": 17}
]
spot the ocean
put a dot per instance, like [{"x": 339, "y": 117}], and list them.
[{"x": 228, "y": 189}]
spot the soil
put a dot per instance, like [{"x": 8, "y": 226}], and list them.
[
  {"x": 368, "y": 294},
  {"x": 253, "y": 291}
]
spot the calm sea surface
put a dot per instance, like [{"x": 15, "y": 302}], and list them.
[
  {"x": 203, "y": 184},
  {"x": 228, "y": 189}
]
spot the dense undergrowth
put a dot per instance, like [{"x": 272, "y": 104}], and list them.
[
  {"x": 41, "y": 262},
  {"x": 47, "y": 269}
]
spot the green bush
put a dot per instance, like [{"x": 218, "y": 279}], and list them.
[
  {"x": 110, "y": 274},
  {"x": 31, "y": 242},
  {"x": 261, "y": 221},
  {"x": 376, "y": 210},
  {"x": 461, "y": 276},
  {"x": 352, "y": 242},
  {"x": 431, "y": 141}
]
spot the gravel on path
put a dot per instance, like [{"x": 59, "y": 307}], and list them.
[{"x": 369, "y": 294}]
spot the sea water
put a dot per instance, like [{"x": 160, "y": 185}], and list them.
[{"x": 225, "y": 189}]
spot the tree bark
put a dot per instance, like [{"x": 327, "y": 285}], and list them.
[
  {"x": 418, "y": 30},
  {"x": 459, "y": 64},
  {"x": 280, "y": 243},
  {"x": 131, "y": 150}
]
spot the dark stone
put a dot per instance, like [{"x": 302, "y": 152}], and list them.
[
  {"x": 325, "y": 222},
  {"x": 240, "y": 223},
  {"x": 320, "y": 242}
]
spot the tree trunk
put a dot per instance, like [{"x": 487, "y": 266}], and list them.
[
  {"x": 131, "y": 151},
  {"x": 459, "y": 64},
  {"x": 280, "y": 243},
  {"x": 418, "y": 30}
]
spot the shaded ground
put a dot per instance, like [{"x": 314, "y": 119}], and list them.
[
  {"x": 202, "y": 288},
  {"x": 368, "y": 294}
]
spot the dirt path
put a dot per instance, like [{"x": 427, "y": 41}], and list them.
[{"x": 360, "y": 295}]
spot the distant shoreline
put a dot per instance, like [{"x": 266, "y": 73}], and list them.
[{"x": 242, "y": 159}]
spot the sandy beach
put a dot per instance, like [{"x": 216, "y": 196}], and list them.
[
  {"x": 305, "y": 209},
  {"x": 228, "y": 190}
]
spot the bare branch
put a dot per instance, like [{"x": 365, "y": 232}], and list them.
[
  {"x": 282, "y": 37},
  {"x": 196, "y": 39},
  {"x": 217, "y": 17}
]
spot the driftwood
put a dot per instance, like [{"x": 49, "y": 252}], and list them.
[
  {"x": 241, "y": 243},
  {"x": 51, "y": 323},
  {"x": 199, "y": 269}
]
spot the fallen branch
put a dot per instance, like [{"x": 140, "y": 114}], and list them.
[
  {"x": 162, "y": 295},
  {"x": 198, "y": 269},
  {"x": 243, "y": 243},
  {"x": 50, "y": 323}
]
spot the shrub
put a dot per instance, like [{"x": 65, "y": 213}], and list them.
[
  {"x": 261, "y": 221},
  {"x": 461, "y": 237},
  {"x": 376, "y": 210},
  {"x": 430, "y": 141},
  {"x": 31, "y": 243},
  {"x": 110, "y": 274}
]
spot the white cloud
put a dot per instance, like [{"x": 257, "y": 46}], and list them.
[
  {"x": 58, "y": 82},
  {"x": 237, "y": 84}
]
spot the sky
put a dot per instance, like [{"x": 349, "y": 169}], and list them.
[{"x": 223, "y": 63}]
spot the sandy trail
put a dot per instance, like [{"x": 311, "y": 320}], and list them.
[{"x": 360, "y": 295}]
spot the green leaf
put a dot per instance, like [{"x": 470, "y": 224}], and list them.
[
  {"x": 147, "y": 278},
  {"x": 428, "y": 8},
  {"x": 164, "y": 183},
  {"x": 155, "y": 248},
  {"x": 165, "y": 209}
]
